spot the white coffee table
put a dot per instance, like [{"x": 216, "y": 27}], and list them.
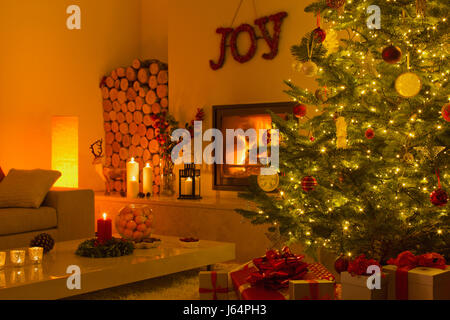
[{"x": 49, "y": 280}]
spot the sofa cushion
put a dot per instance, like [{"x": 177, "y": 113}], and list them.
[
  {"x": 26, "y": 188},
  {"x": 20, "y": 220}
]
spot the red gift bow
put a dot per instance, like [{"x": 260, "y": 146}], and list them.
[
  {"x": 407, "y": 261},
  {"x": 275, "y": 269},
  {"x": 360, "y": 264},
  {"x": 215, "y": 290},
  {"x": 314, "y": 292}
]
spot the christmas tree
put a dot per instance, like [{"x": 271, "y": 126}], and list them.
[{"x": 369, "y": 174}]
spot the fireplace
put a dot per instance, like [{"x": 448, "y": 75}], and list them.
[{"x": 234, "y": 177}]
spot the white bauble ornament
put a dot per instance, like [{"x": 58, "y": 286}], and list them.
[
  {"x": 309, "y": 69},
  {"x": 408, "y": 84}
]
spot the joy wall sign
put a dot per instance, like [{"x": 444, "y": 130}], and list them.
[{"x": 272, "y": 40}]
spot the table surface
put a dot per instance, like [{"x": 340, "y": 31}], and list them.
[{"x": 49, "y": 279}]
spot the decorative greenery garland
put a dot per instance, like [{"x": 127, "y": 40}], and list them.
[{"x": 112, "y": 248}]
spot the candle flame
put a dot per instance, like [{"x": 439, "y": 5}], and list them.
[
  {"x": 132, "y": 160},
  {"x": 189, "y": 179},
  {"x": 104, "y": 216},
  {"x": 147, "y": 165}
]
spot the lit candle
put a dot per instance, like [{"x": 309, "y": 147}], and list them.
[
  {"x": 132, "y": 172},
  {"x": 147, "y": 176},
  {"x": 17, "y": 257},
  {"x": 133, "y": 188},
  {"x": 104, "y": 229},
  {"x": 35, "y": 254}
]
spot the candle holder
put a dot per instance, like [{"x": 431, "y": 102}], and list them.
[
  {"x": 189, "y": 183},
  {"x": 18, "y": 275},
  {"x": 35, "y": 254},
  {"x": 2, "y": 259},
  {"x": 17, "y": 257}
]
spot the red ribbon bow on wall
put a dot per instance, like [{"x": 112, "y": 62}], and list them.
[
  {"x": 407, "y": 261},
  {"x": 276, "y": 268},
  {"x": 215, "y": 289}
]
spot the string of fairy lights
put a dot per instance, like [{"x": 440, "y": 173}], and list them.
[{"x": 400, "y": 170}]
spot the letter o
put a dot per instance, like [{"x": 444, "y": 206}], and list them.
[{"x": 233, "y": 43}]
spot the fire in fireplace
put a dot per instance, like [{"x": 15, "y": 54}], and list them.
[{"x": 234, "y": 177}]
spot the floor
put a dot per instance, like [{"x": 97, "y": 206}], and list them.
[{"x": 178, "y": 286}]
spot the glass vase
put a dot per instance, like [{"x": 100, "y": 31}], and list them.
[
  {"x": 167, "y": 178},
  {"x": 135, "y": 222}
]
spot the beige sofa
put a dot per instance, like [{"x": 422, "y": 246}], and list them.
[{"x": 66, "y": 215}]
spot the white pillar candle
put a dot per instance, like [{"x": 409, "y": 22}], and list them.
[
  {"x": 132, "y": 172},
  {"x": 133, "y": 188},
  {"x": 147, "y": 177},
  {"x": 188, "y": 187}
]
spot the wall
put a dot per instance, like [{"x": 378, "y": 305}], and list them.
[
  {"x": 193, "y": 42},
  {"x": 155, "y": 29},
  {"x": 48, "y": 70}
]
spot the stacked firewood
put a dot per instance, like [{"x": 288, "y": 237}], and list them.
[{"x": 133, "y": 99}]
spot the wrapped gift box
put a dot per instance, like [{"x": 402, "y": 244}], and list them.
[
  {"x": 311, "y": 290},
  {"x": 422, "y": 283},
  {"x": 355, "y": 288},
  {"x": 213, "y": 285},
  {"x": 245, "y": 291}
]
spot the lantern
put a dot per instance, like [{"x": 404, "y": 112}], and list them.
[{"x": 189, "y": 182}]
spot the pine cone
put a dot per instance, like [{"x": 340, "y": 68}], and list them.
[{"x": 43, "y": 240}]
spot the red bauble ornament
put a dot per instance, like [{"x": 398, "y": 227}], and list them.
[
  {"x": 336, "y": 4},
  {"x": 312, "y": 139},
  {"x": 341, "y": 264},
  {"x": 319, "y": 34},
  {"x": 370, "y": 134},
  {"x": 309, "y": 183},
  {"x": 392, "y": 54},
  {"x": 446, "y": 112},
  {"x": 300, "y": 110},
  {"x": 439, "y": 197}
]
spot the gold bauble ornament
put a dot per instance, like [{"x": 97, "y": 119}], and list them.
[
  {"x": 408, "y": 158},
  {"x": 408, "y": 84},
  {"x": 297, "y": 66},
  {"x": 331, "y": 42},
  {"x": 309, "y": 69}
]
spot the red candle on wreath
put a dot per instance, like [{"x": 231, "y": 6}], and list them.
[{"x": 104, "y": 229}]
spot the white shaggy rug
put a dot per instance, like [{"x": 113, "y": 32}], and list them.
[{"x": 178, "y": 286}]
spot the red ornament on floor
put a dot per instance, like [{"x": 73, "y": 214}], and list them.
[
  {"x": 392, "y": 54},
  {"x": 370, "y": 134},
  {"x": 446, "y": 112},
  {"x": 439, "y": 197},
  {"x": 341, "y": 264},
  {"x": 309, "y": 183},
  {"x": 300, "y": 110}
]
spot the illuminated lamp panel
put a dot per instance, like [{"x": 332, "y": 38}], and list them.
[{"x": 65, "y": 150}]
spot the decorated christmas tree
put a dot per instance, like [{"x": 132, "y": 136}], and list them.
[{"x": 370, "y": 173}]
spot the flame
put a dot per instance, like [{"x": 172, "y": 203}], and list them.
[{"x": 105, "y": 216}]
